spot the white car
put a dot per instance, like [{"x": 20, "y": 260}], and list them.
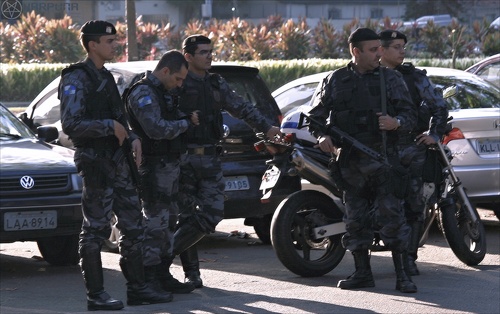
[
  {"x": 475, "y": 110},
  {"x": 297, "y": 92},
  {"x": 488, "y": 69}
]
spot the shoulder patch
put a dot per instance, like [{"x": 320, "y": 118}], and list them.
[
  {"x": 144, "y": 101},
  {"x": 69, "y": 90}
]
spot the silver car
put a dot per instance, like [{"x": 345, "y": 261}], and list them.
[{"x": 476, "y": 112}]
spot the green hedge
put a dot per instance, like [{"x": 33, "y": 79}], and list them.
[{"x": 22, "y": 83}]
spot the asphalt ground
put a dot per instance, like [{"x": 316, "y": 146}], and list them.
[{"x": 242, "y": 275}]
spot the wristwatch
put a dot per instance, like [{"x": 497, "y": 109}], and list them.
[{"x": 399, "y": 123}]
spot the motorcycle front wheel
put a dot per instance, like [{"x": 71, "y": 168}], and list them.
[
  {"x": 292, "y": 233},
  {"x": 466, "y": 239}
]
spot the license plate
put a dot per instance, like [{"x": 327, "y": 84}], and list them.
[
  {"x": 270, "y": 178},
  {"x": 46, "y": 219},
  {"x": 239, "y": 183},
  {"x": 489, "y": 146}
]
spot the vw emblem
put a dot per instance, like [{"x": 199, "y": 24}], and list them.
[
  {"x": 226, "y": 130},
  {"x": 27, "y": 182}
]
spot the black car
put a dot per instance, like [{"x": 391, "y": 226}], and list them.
[
  {"x": 243, "y": 166},
  {"x": 40, "y": 191}
]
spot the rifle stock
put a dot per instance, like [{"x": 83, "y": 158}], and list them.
[{"x": 343, "y": 138}]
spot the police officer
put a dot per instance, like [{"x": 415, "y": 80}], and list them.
[
  {"x": 431, "y": 124},
  {"x": 353, "y": 99},
  {"x": 152, "y": 105},
  {"x": 202, "y": 186},
  {"x": 92, "y": 116}
]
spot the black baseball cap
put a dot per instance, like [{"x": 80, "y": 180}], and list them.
[
  {"x": 362, "y": 34},
  {"x": 98, "y": 28},
  {"x": 390, "y": 34},
  {"x": 195, "y": 40}
]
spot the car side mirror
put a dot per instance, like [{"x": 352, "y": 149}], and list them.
[
  {"x": 450, "y": 91},
  {"x": 24, "y": 117},
  {"x": 47, "y": 133}
]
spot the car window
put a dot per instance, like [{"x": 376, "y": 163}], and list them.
[
  {"x": 244, "y": 88},
  {"x": 255, "y": 91},
  {"x": 125, "y": 79},
  {"x": 47, "y": 109},
  {"x": 491, "y": 73},
  {"x": 10, "y": 126},
  {"x": 470, "y": 93},
  {"x": 295, "y": 97}
]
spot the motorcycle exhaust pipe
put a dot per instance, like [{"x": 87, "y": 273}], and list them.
[{"x": 312, "y": 170}]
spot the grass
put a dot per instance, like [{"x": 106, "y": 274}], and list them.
[{"x": 17, "y": 110}]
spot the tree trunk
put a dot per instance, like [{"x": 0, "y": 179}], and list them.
[{"x": 132, "y": 53}]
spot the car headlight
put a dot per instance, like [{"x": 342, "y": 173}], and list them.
[{"x": 76, "y": 182}]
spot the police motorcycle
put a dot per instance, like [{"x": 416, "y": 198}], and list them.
[{"x": 307, "y": 226}]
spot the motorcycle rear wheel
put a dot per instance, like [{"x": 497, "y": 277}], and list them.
[
  {"x": 292, "y": 229},
  {"x": 466, "y": 239}
]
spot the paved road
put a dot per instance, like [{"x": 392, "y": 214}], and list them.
[{"x": 243, "y": 276}]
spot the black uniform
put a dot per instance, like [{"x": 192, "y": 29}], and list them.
[
  {"x": 350, "y": 101},
  {"x": 432, "y": 119},
  {"x": 373, "y": 191},
  {"x": 155, "y": 116},
  {"x": 201, "y": 194},
  {"x": 90, "y": 103}
]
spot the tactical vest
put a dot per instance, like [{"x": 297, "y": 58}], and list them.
[
  {"x": 168, "y": 108},
  {"x": 102, "y": 102},
  {"x": 424, "y": 115},
  {"x": 206, "y": 98},
  {"x": 356, "y": 102}
]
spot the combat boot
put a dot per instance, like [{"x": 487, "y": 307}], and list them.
[
  {"x": 168, "y": 282},
  {"x": 415, "y": 234},
  {"x": 362, "y": 277},
  {"x": 191, "y": 266},
  {"x": 403, "y": 280},
  {"x": 140, "y": 292},
  {"x": 97, "y": 297}
]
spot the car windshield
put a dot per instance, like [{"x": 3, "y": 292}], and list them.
[
  {"x": 470, "y": 93},
  {"x": 295, "y": 97},
  {"x": 12, "y": 127}
]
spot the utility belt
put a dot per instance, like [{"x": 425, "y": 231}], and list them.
[
  {"x": 203, "y": 150},
  {"x": 99, "y": 143},
  {"x": 170, "y": 157}
]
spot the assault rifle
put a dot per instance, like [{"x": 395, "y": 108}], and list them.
[
  {"x": 129, "y": 155},
  {"x": 342, "y": 138}
]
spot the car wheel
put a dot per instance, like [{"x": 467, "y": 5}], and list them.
[
  {"x": 59, "y": 250},
  {"x": 112, "y": 244},
  {"x": 262, "y": 227}
]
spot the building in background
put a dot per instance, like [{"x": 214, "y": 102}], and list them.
[{"x": 179, "y": 12}]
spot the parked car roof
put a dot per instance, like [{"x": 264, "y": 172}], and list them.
[{"x": 488, "y": 69}]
